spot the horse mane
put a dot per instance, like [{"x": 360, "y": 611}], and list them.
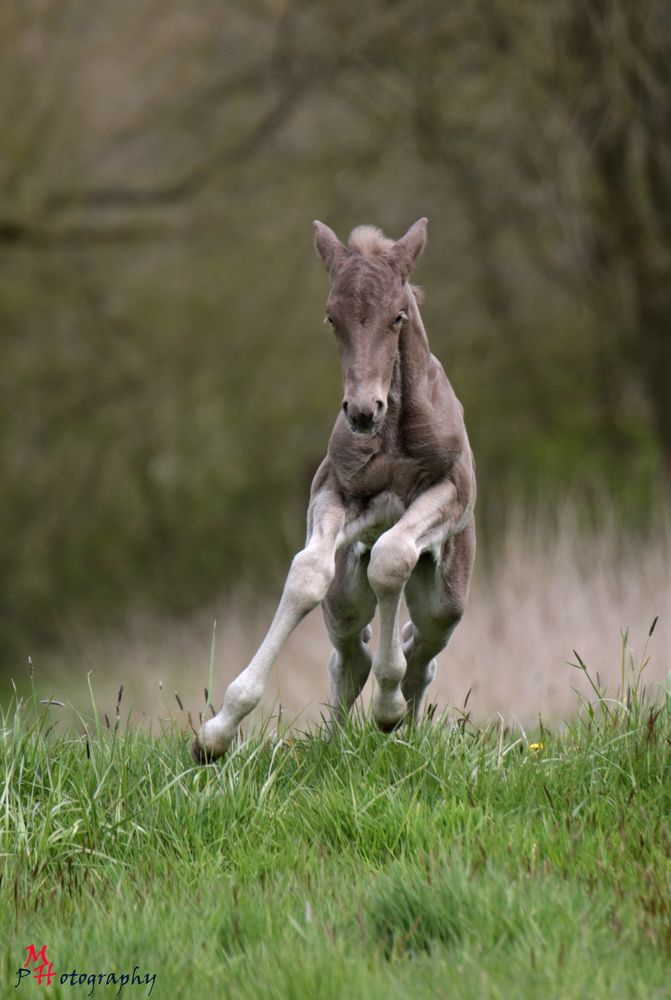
[{"x": 370, "y": 241}]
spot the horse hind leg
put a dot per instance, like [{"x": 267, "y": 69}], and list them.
[
  {"x": 420, "y": 670},
  {"x": 436, "y": 595},
  {"x": 348, "y": 608},
  {"x": 349, "y": 667}
]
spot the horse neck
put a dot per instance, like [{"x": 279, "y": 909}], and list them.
[
  {"x": 414, "y": 352},
  {"x": 408, "y": 391}
]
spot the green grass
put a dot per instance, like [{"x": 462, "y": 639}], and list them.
[{"x": 448, "y": 861}]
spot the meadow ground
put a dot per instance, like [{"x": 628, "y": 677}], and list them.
[
  {"x": 448, "y": 861},
  {"x": 548, "y": 588}
]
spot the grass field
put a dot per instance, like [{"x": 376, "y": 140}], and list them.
[
  {"x": 549, "y": 587},
  {"x": 447, "y": 861}
]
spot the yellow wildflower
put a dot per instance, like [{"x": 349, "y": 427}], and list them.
[{"x": 535, "y": 747}]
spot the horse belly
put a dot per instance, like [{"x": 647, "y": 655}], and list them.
[{"x": 364, "y": 527}]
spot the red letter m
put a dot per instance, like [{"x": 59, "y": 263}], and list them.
[{"x": 43, "y": 967}]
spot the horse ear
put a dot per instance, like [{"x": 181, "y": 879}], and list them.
[
  {"x": 329, "y": 247},
  {"x": 404, "y": 253}
]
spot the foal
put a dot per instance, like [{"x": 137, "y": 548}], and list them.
[{"x": 391, "y": 505}]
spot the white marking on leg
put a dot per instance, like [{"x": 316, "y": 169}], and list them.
[
  {"x": 428, "y": 521},
  {"x": 392, "y": 560},
  {"x": 309, "y": 578}
]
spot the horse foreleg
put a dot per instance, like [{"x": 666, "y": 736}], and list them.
[
  {"x": 310, "y": 576},
  {"x": 433, "y": 516}
]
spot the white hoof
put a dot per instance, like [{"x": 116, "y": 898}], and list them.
[
  {"x": 212, "y": 741},
  {"x": 389, "y": 708}
]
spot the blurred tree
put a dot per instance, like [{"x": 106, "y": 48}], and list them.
[
  {"x": 617, "y": 90},
  {"x": 158, "y": 293}
]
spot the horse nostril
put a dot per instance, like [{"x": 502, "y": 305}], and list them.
[
  {"x": 378, "y": 407},
  {"x": 344, "y": 407}
]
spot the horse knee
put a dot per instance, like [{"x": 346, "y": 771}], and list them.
[
  {"x": 392, "y": 560},
  {"x": 310, "y": 577}
]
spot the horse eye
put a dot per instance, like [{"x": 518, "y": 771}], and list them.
[{"x": 399, "y": 319}]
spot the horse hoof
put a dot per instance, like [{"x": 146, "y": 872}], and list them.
[
  {"x": 200, "y": 754},
  {"x": 389, "y": 727}
]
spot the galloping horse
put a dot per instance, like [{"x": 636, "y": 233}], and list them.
[{"x": 391, "y": 505}]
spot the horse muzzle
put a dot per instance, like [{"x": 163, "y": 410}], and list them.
[{"x": 365, "y": 417}]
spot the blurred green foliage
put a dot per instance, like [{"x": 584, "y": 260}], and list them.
[{"x": 167, "y": 388}]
